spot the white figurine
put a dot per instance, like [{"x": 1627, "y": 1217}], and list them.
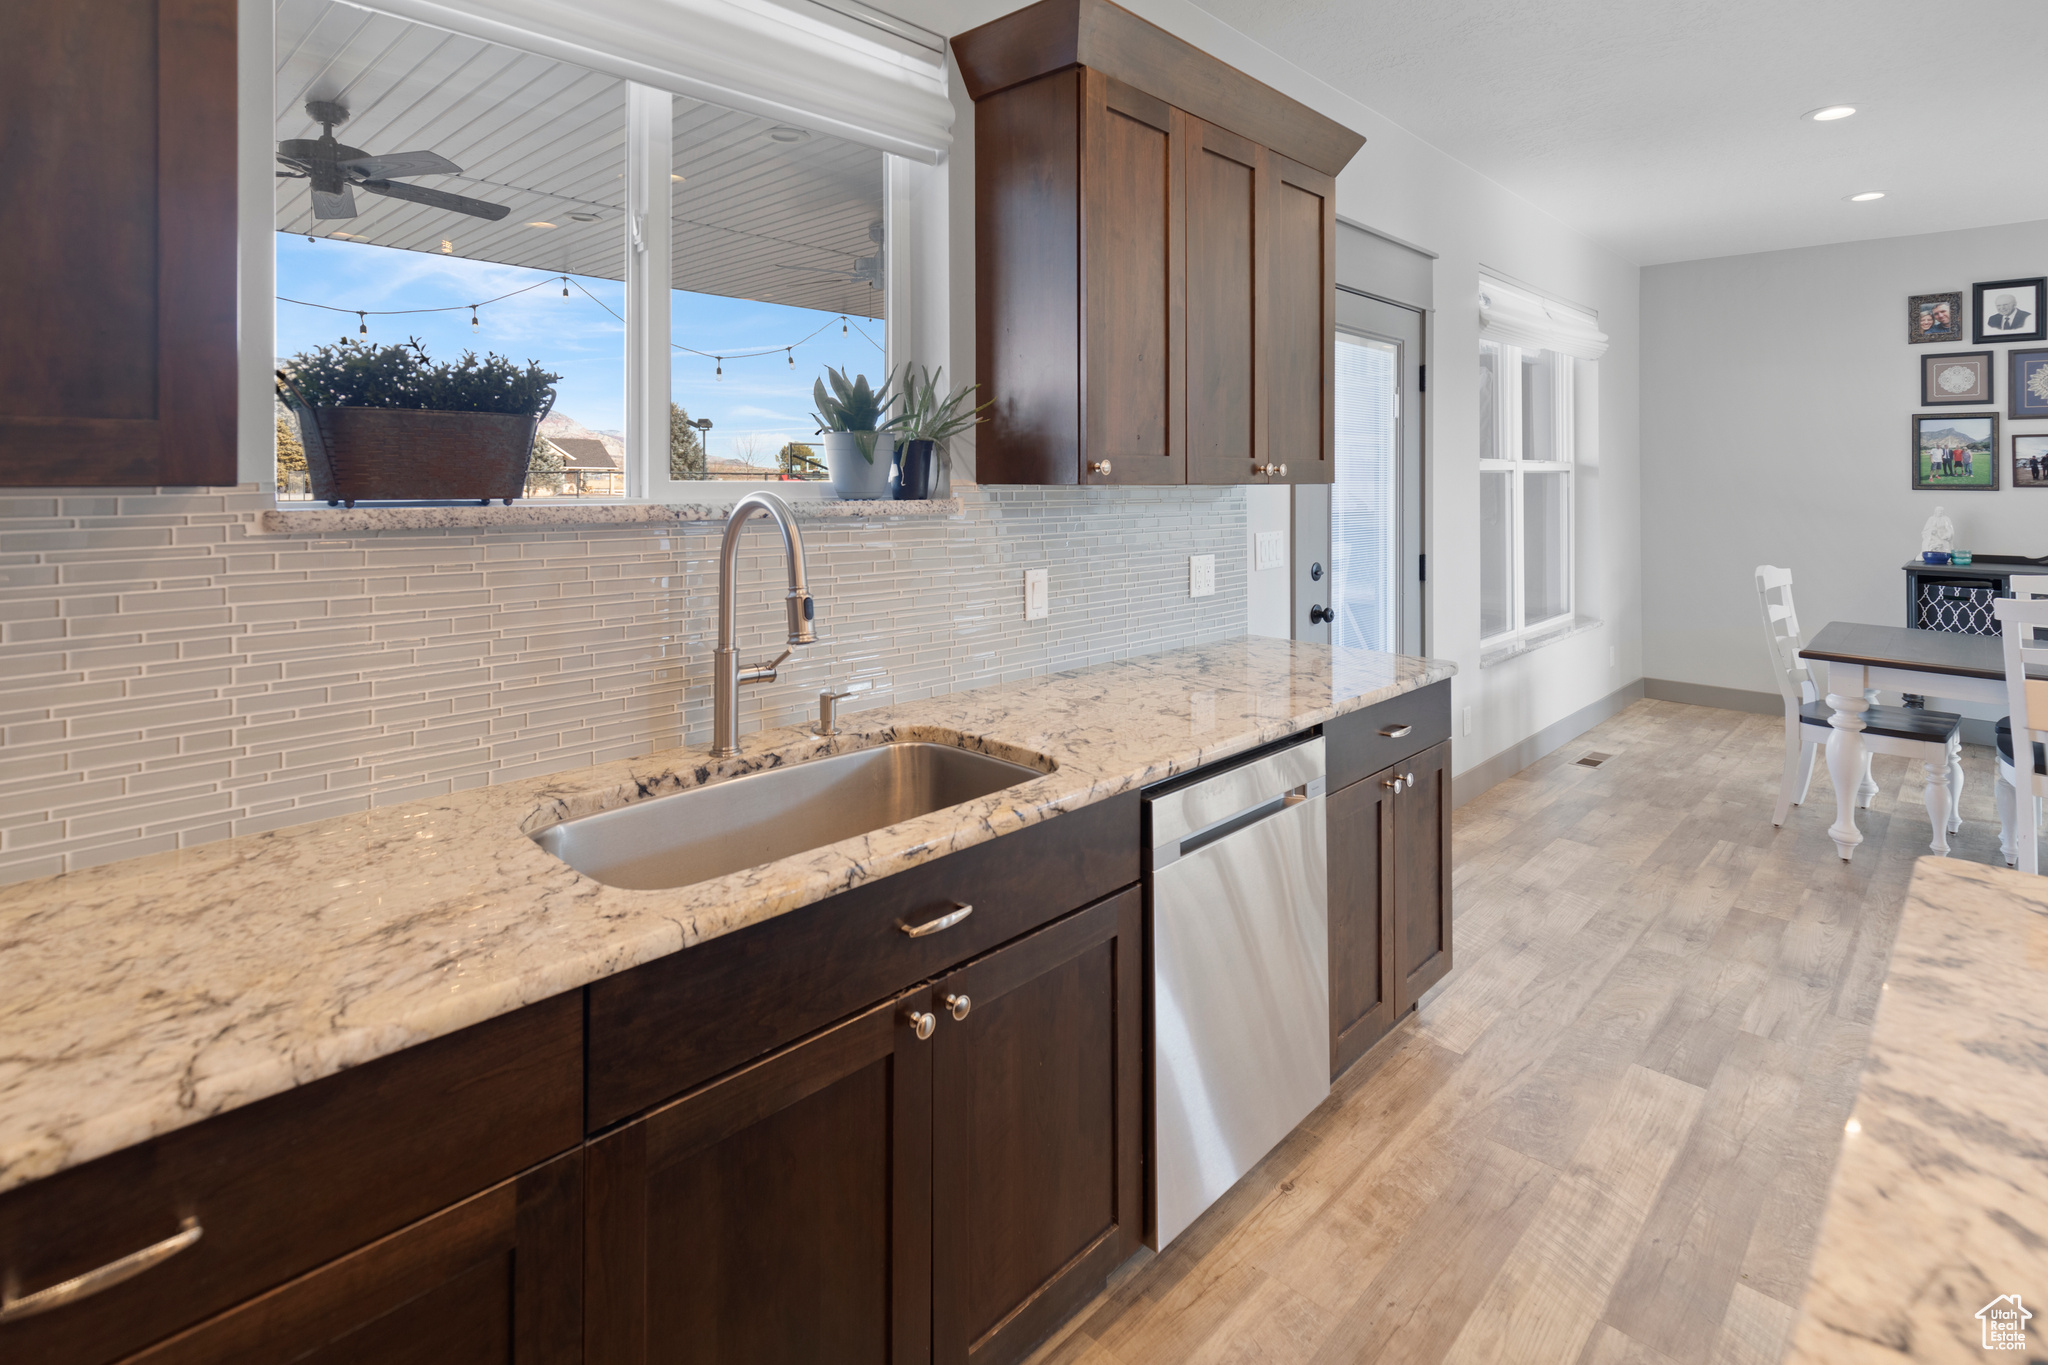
[{"x": 1938, "y": 534}]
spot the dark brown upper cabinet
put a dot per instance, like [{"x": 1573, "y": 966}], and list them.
[
  {"x": 117, "y": 253},
  {"x": 1155, "y": 258}
]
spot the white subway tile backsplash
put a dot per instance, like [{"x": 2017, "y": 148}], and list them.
[{"x": 165, "y": 681}]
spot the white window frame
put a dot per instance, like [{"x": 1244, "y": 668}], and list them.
[
  {"x": 1521, "y": 321},
  {"x": 906, "y": 117},
  {"x": 1564, "y": 438}
]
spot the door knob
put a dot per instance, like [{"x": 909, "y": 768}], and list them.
[
  {"x": 923, "y": 1023},
  {"x": 958, "y": 1005},
  {"x": 1099, "y": 467},
  {"x": 1317, "y": 615}
]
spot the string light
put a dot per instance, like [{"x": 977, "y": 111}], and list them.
[{"x": 363, "y": 327}]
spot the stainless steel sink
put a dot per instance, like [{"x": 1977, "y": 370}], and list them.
[{"x": 743, "y": 822}]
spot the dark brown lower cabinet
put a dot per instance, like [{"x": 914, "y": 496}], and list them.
[
  {"x": 1361, "y": 844},
  {"x": 1390, "y": 897},
  {"x": 867, "y": 1195},
  {"x": 1036, "y": 1096},
  {"x": 494, "y": 1280},
  {"x": 777, "y": 1216},
  {"x": 1422, "y": 875}
]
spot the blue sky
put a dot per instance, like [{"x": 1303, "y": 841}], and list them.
[{"x": 762, "y": 398}]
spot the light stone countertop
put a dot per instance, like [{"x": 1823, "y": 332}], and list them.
[
  {"x": 1940, "y": 1203},
  {"x": 142, "y": 996}
]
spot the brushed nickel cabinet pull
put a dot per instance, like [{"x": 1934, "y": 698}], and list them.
[
  {"x": 958, "y": 1005},
  {"x": 946, "y": 921},
  {"x": 922, "y": 1024},
  {"x": 93, "y": 1281},
  {"x": 1395, "y": 731},
  {"x": 1099, "y": 467}
]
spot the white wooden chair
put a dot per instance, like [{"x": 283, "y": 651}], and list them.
[
  {"x": 1933, "y": 737},
  {"x": 2021, "y": 617}
]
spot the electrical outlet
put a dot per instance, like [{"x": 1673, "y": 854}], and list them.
[
  {"x": 1271, "y": 550},
  {"x": 1037, "y": 593},
  {"x": 1468, "y": 720},
  {"x": 1201, "y": 575}
]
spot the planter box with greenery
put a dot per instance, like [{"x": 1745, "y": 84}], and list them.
[{"x": 385, "y": 423}]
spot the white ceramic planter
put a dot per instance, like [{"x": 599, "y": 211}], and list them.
[{"x": 853, "y": 476}]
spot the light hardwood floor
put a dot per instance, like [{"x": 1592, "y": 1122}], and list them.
[{"x": 1606, "y": 1138}]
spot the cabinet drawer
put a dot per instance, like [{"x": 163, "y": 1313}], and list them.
[
  {"x": 289, "y": 1183},
  {"x": 1356, "y": 746},
  {"x": 661, "y": 1028}
]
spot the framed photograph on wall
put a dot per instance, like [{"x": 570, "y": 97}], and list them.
[
  {"x": 2030, "y": 462},
  {"x": 2027, "y": 384},
  {"x": 1955, "y": 450},
  {"x": 2009, "y": 310},
  {"x": 1956, "y": 377},
  {"x": 1934, "y": 317}
]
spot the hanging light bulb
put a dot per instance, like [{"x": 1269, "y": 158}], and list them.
[
  {"x": 721, "y": 366},
  {"x": 472, "y": 318},
  {"x": 565, "y": 286},
  {"x": 842, "y": 326},
  {"x": 362, "y": 325},
  {"x": 792, "y": 357}
]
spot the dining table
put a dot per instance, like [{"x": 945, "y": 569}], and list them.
[{"x": 1863, "y": 660}]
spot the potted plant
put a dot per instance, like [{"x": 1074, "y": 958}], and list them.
[
  {"x": 859, "y": 441},
  {"x": 385, "y": 422},
  {"x": 928, "y": 423}
]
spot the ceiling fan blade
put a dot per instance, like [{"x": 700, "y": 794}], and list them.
[
  {"x": 402, "y": 163},
  {"x": 327, "y": 205},
  {"x": 440, "y": 199}
]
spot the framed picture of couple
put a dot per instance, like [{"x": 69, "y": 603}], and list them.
[
  {"x": 2030, "y": 462},
  {"x": 1955, "y": 451}
]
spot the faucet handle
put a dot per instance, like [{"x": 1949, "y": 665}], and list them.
[
  {"x": 827, "y": 714},
  {"x": 754, "y": 673}
]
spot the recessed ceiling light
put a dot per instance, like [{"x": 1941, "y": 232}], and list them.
[
  {"x": 678, "y": 179},
  {"x": 787, "y": 135},
  {"x": 546, "y": 225},
  {"x": 1866, "y": 196},
  {"x": 1828, "y": 113}
]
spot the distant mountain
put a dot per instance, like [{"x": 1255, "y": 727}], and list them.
[
  {"x": 560, "y": 424},
  {"x": 1949, "y": 436}
]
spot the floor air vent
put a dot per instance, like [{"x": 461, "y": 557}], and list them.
[{"x": 1594, "y": 760}]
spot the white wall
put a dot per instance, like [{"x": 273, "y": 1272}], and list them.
[
  {"x": 1777, "y": 390},
  {"x": 1406, "y": 188}
]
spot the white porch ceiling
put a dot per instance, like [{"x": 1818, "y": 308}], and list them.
[
  {"x": 1672, "y": 131},
  {"x": 753, "y": 218}
]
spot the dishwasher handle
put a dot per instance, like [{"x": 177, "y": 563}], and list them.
[{"x": 1170, "y": 852}]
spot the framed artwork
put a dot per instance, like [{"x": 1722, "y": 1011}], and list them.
[
  {"x": 2030, "y": 462},
  {"x": 1934, "y": 317},
  {"x": 2027, "y": 385},
  {"x": 1955, "y": 450},
  {"x": 1956, "y": 377},
  {"x": 2009, "y": 310}
]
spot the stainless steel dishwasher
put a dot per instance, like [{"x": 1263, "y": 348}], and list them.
[{"x": 1236, "y": 880}]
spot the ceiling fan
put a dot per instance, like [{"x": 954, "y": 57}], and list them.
[{"x": 337, "y": 171}]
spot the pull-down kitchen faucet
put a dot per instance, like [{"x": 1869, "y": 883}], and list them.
[{"x": 730, "y": 677}]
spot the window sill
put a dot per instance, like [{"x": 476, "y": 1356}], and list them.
[
  {"x": 323, "y": 520},
  {"x": 1515, "y": 649}
]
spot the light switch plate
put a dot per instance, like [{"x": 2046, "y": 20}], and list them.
[
  {"x": 1036, "y": 595},
  {"x": 1468, "y": 720},
  {"x": 1272, "y": 550},
  {"x": 1201, "y": 575}
]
